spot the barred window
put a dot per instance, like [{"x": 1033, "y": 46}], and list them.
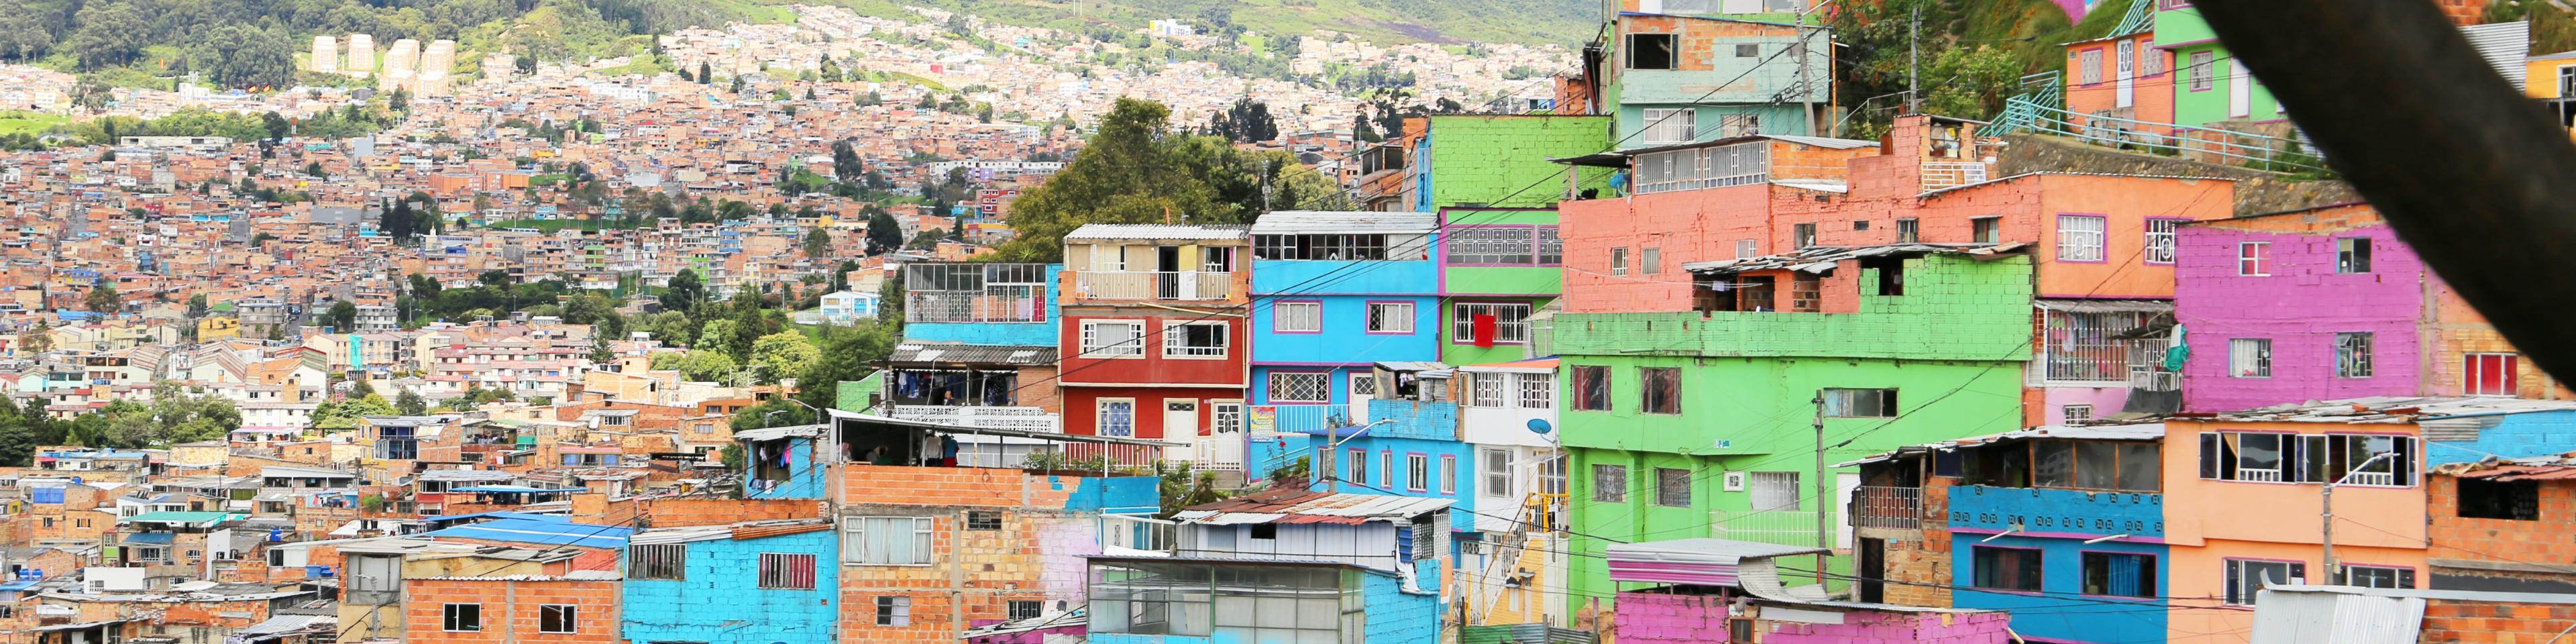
[
  {"x": 2160, "y": 241},
  {"x": 1538, "y": 390},
  {"x": 1610, "y": 483},
  {"x": 1493, "y": 245},
  {"x": 2085, "y": 346},
  {"x": 2352, "y": 355},
  {"x": 786, "y": 571},
  {"x": 1390, "y": 317},
  {"x": 1511, "y": 322},
  {"x": 657, "y": 561},
  {"x": 2079, "y": 238},
  {"x": 1485, "y": 389},
  {"x": 1300, "y": 386},
  {"x": 1672, "y": 487}
]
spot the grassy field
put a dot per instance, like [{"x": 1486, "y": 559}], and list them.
[
  {"x": 28, "y": 123},
  {"x": 1565, "y": 22}
]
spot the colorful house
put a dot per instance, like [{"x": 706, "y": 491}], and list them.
[
  {"x": 1285, "y": 565},
  {"x": 979, "y": 350},
  {"x": 2212, "y": 89},
  {"x": 745, "y": 583},
  {"x": 1679, "y": 591},
  {"x": 1683, "y": 71},
  {"x": 1154, "y": 340},
  {"x": 1840, "y": 351},
  {"x": 2328, "y": 303},
  {"x": 1333, "y": 293},
  {"x": 2122, "y": 82},
  {"x": 1514, "y": 578}
]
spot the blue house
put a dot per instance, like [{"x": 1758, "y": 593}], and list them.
[
  {"x": 979, "y": 350},
  {"x": 2034, "y": 516},
  {"x": 1333, "y": 293},
  {"x": 746, "y": 583},
  {"x": 1405, "y": 444},
  {"x": 1285, "y": 565},
  {"x": 783, "y": 464}
]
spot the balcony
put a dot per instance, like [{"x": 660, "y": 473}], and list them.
[
  {"x": 1939, "y": 175},
  {"x": 1783, "y": 527},
  {"x": 1020, "y": 418},
  {"x": 1890, "y": 508},
  {"x": 1153, "y": 285},
  {"x": 1135, "y": 533}
]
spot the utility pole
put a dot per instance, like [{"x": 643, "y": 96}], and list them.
[
  {"x": 1914, "y": 62},
  {"x": 1806, "y": 93},
  {"x": 1824, "y": 533},
  {"x": 2326, "y": 502}
]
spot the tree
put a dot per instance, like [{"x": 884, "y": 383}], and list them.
[
  {"x": 588, "y": 308},
  {"x": 342, "y": 414},
  {"x": 884, "y": 234},
  {"x": 1245, "y": 122},
  {"x": 197, "y": 305},
  {"x": 1134, "y": 171},
  {"x": 314, "y": 169},
  {"x": 785, "y": 354},
  {"x": 846, "y": 354},
  {"x": 717, "y": 336},
  {"x": 360, "y": 389},
  {"x": 774, "y": 413},
  {"x": 703, "y": 365},
  {"x": 409, "y": 403},
  {"x": 684, "y": 292},
  {"x": 818, "y": 243},
  {"x": 343, "y": 316},
  {"x": 110, "y": 34},
  {"x": 103, "y": 298},
  {"x": 706, "y": 74},
  {"x": 846, "y": 165}
]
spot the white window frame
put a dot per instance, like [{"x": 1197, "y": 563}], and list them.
[
  {"x": 1448, "y": 475},
  {"x": 1660, "y": 124},
  {"x": 2073, "y": 413},
  {"x": 571, "y": 619},
  {"x": 1361, "y": 385},
  {"x": 2249, "y": 357},
  {"x": 2249, "y": 577},
  {"x": 1496, "y": 472},
  {"x": 1537, "y": 390},
  {"x": 2198, "y": 71},
  {"x": 1417, "y": 474},
  {"x": 1297, "y": 316},
  {"x": 854, "y": 541},
  {"x": 1397, "y": 318},
  {"x": 2471, "y": 385},
  {"x": 1092, "y": 346},
  {"x": 2080, "y": 238},
  {"x": 1619, "y": 261},
  {"x": 1323, "y": 387},
  {"x": 1463, "y": 322},
  {"x": 2254, "y": 259},
  {"x": 1100, "y": 421},
  {"x": 1359, "y": 467},
  {"x": 1485, "y": 390},
  {"x": 1747, "y": 248},
  {"x": 1175, "y": 346},
  {"x": 2089, "y": 67}
]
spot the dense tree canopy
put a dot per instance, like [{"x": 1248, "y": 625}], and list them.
[{"x": 1135, "y": 170}]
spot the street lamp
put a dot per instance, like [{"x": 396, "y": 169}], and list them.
[{"x": 2327, "y": 502}]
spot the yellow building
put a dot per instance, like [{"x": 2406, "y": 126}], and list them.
[
  {"x": 2552, "y": 79},
  {"x": 217, "y": 327}
]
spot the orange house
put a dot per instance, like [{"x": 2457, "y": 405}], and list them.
[{"x": 2124, "y": 81}]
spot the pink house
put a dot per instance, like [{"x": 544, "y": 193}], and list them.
[{"x": 2323, "y": 304}]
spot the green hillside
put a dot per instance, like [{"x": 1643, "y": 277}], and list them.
[{"x": 1564, "y": 22}]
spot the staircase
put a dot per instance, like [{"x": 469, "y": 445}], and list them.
[{"x": 2041, "y": 90}]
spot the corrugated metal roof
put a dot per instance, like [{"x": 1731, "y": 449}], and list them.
[
  {"x": 2128, "y": 432},
  {"x": 775, "y": 433},
  {"x": 1157, "y": 231},
  {"x": 1818, "y": 259},
  {"x": 1297, "y": 222},
  {"x": 2310, "y": 615},
  {"x": 465, "y": 475},
  {"x": 956, "y": 352},
  {"x": 2505, "y": 45},
  {"x": 1305, "y": 506},
  {"x": 541, "y": 531},
  {"x": 2395, "y": 409}
]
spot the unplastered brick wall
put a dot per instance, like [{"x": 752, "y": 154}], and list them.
[
  {"x": 1034, "y": 554},
  {"x": 2451, "y": 621},
  {"x": 510, "y": 610},
  {"x": 2505, "y": 541},
  {"x": 954, "y": 486},
  {"x": 1918, "y": 571}
]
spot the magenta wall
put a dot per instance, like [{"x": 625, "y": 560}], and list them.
[
  {"x": 1865, "y": 627},
  {"x": 1651, "y": 618},
  {"x": 2299, "y": 307}
]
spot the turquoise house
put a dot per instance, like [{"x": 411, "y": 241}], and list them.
[
  {"x": 746, "y": 583},
  {"x": 1334, "y": 293}
]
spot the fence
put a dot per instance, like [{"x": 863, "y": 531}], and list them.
[
  {"x": 1154, "y": 285},
  {"x": 2024, "y": 113},
  {"x": 1784, "y": 527},
  {"x": 1896, "y": 508},
  {"x": 1951, "y": 174}
]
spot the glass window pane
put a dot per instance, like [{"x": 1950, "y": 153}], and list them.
[
  {"x": 2095, "y": 462},
  {"x": 2056, "y": 463},
  {"x": 2141, "y": 467}
]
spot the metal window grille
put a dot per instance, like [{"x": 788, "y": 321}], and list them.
[
  {"x": 1494, "y": 245},
  {"x": 1195, "y": 340},
  {"x": 657, "y": 561},
  {"x": 2082, "y": 347},
  {"x": 1300, "y": 386},
  {"x": 1417, "y": 474},
  {"x": 975, "y": 292},
  {"x": 2249, "y": 358},
  {"x": 1672, "y": 487},
  {"x": 1113, "y": 339},
  {"x": 1610, "y": 483},
  {"x": 1538, "y": 390},
  {"x": 1117, "y": 418},
  {"x": 2160, "y": 241},
  {"x": 2352, "y": 355},
  {"x": 1551, "y": 248},
  {"x": 786, "y": 571},
  {"x": 1511, "y": 321},
  {"x": 897, "y": 611},
  {"x": 2079, "y": 238}
]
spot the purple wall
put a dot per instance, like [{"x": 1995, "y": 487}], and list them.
[
  {"x": 2300, "y": 307},
  {"x": 1647, "y": 618}
]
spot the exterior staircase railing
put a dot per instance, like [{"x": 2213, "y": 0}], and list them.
[
  {"x": 2039, "y": 90},
  {"x": 2027, "y": 113}
]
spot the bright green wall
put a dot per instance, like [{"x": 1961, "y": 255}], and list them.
[{"x": 1503, "y": 160}]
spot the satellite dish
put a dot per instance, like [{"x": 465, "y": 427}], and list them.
[{"x": 1539, "y": 425}]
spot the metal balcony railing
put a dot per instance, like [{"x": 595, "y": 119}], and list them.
[
  {"x": 1034, "y": 419},
  {"x": 1896, "y": 508},
  {"x": 1154, "y": 285},
  {"x": 1938, "y": 175},
  {"x": 1784, "y": 527}
]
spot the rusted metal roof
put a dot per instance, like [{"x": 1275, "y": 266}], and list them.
[{"x": 1818, "y": 259}]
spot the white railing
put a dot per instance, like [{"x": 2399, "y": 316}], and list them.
[
  {"x": 1898, "y": 508},
  {"x": 1023, "y": 418},
  {"x": 1135, "y": 533},
  {"x": 1154, "y": 285},
  {"x": 2370, "y": 478},
  {"x": 1784, "y": 527},
  {"x": 1951, "y": 174}
]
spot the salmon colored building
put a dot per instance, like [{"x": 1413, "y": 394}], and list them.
[
  {"x": 2243, "y": 494},
  {"x": 2123, "y": 79}
]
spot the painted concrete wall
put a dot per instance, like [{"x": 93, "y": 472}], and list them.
[
  {"x": 1298, "y": 277},
  {"x": 2245, "y": 520},
  {"x": 999, "y": 333},
  {"x": 721, "y": 601},
  {"x": 1382, "y": 479},
  {"x": 2057, "y": 523},
  {"x": 2300, "y": 306},
  {"x": 1152, "y": 368},
  {"x": 1869, "y": 627},
  {"x": 1345, "y": 339},
  {"x": 1395, "y": 615},
  {"x": 1495, "y": 160},
  {"x": 807, "y": 478},
  {"x": 2152, "y": 95}
]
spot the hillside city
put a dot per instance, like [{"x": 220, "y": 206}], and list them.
[{"x": 917, "y": 325}]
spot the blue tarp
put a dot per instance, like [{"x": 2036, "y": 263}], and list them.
[
  {"x": 554, "y": 532},
  {"x": 151, "y": 538}
]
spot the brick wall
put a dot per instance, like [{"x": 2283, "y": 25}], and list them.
[
  {"x": 2502, "y": 541},
  {"x": 510, "y": 610},
  {"x": 1871, "y": 627},
  {"x": 2449, "y": 621},
  {"x": 1918, "y": 571},
  {"x": 1647, "y": 618},
  {"x": 1036, "y": 555}
]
